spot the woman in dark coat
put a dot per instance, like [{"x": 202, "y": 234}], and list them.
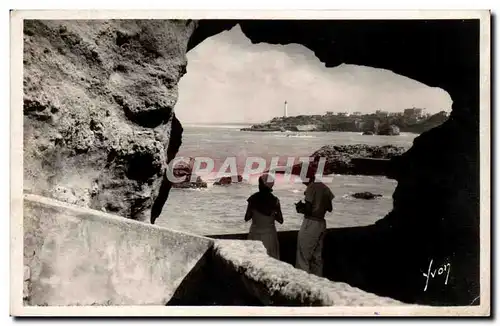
[{"x": 264, "y": 209}]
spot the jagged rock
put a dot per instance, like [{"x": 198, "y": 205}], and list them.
[
  {"x": 98, "y": 109},
  {"x": 365, "y": 195}
]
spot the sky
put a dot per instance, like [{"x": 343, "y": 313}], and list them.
[{"x": 231, "y": 80}]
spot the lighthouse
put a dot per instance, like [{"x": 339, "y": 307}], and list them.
[{"x": 285, "y": 113}]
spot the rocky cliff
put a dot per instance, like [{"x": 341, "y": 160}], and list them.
[{"x": 98, "y": 109}]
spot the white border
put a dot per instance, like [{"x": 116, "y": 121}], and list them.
[{"x": 17, "y": 168}]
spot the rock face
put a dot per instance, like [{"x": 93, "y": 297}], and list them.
[
  {"x": 98, "y": 109},
  {"x": 434, "y": 222}
]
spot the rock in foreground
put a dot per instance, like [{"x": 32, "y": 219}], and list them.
[{"x": 98, "y": 109}]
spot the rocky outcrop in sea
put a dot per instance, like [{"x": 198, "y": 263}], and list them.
[
  {"x": 359, "y": 159},
  {"x": 365, "y": 195},
  {"x": 388, "y": 130},
  {"x": 184, "y": 170}
]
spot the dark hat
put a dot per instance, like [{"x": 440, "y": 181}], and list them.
[{"x": 266, "y": 180}]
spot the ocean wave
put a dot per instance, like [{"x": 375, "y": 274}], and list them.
[
  {"x": 354, "y": 184},
  {"x": 195, "y": 189}
]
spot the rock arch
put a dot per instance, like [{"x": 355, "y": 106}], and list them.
[
  {"x": 98, "y": 107},
  {"x": 436, "y": 203}
]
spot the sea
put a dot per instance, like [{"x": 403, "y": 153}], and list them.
[{"x": 220, "y": 209}]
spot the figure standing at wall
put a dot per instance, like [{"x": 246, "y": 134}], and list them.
[
  {"x": 264, "y": 209},
  {"x": 318, "y": 201}
]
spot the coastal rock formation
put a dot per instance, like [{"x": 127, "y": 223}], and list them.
[
  {"x": 369, "y": 123},
  {"x": 388, "y": 130},
  {"x": 264, "y": 127},
  {"x": 98, "y": 109},
  {"x": 184, "y": 170},
  {"x": 359, "y": 159},
  {"x": 365, "y": 195}
]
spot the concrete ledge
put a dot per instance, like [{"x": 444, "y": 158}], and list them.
[
  {"x": 78, "y": 256},
  {"x": 275, "y": 282}
]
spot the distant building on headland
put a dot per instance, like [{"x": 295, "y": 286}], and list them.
[
  {"x": 413, "y": 112},
  {"x": 285, "y": 113},
  {"x": 340, "y": 114}
]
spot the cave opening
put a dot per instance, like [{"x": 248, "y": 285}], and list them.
[
  {"x": 232, "y": 82},
  {"x": 434, "y": 220},
  {"x": 441, "y": 165}
]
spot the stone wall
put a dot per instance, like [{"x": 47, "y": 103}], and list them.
[
  {"x": 364, "y": 257},
  {"x": 79, "y": 256}
]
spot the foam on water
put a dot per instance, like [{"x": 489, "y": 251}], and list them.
[{"x": 294, "y": 136}]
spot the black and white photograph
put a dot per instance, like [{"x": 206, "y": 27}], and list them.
[{"x": 308, "y": 163}]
